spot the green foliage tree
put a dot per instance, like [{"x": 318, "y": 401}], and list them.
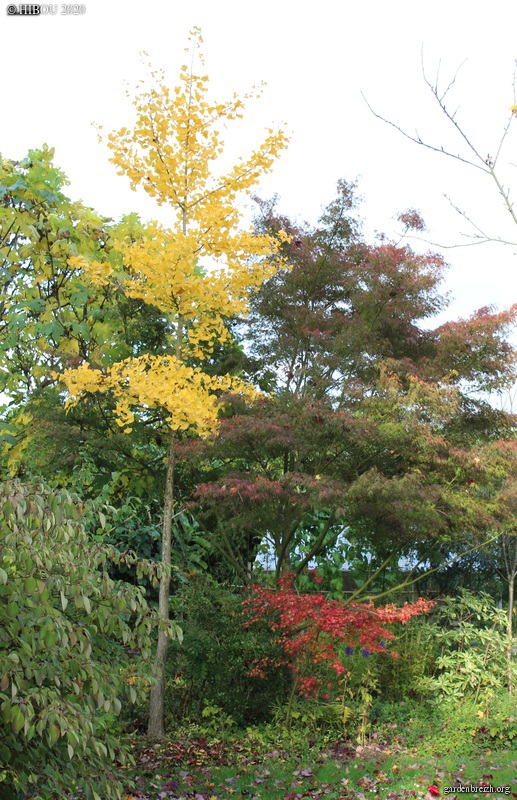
[
  {"x": 74, "y": 645},
  {"x": 52, "y": 317},
  {"x": 48, "y": 317}
]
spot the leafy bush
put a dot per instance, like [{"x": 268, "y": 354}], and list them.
[
  {"x": 472, "y": 663},
  {"x": 65, "y": 632},
  {"x": 403, "y": 677},
  {"x": 497, "y": 722},
  {"x": 458, "y": 652},
  {"x": 449, "y": 727},
  {"x": 309, "y": 717},
  {"x": 210, "y": 669},
  {"x": 133, "y": 522}
]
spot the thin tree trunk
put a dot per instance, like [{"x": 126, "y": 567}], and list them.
[
  {"x": 511, "y": 591},
  {"x": 509, "y": 553},
  {"x": 155, "y": 729}
]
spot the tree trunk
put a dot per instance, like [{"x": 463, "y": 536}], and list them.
[
  {"x": 509, "y": 552},
  {"x": 511, "y": 590},
  {"x": 155, "y": 729}
]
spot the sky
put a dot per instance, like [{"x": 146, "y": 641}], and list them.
[{"x": 63, "y": 72}]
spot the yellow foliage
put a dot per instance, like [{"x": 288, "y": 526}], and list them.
[
  {"x": 172, "y": 151},
  {"x": 189, "y": 395},
  {"x": 15, "y": 452},
  {"x": 69, "y": 346}
]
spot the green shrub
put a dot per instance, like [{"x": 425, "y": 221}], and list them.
[
  {"x": 416, "y": 651},
  {"x": 497, "y": 722},
  {"x": 449, "y": 727},
  {"x": 472, "y": 662},
  {"x": 210, "y": 668},
  {"x": 387, "y": 715},
  {"x": 65, "y": 631},
  {"x": 459, "y": 651}
]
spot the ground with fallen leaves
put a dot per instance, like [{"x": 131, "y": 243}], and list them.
[{"x": 241, "y": 769}]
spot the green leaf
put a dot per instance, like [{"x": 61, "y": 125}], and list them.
[
  {"x": 17, "y": 719},
  {"x": 30, "y": 731},
  {"x": 12, "y": 609},
  {"x": 52, "y": 734},
  {"x": 176, "y": 631},
  {"x": 50, "y": 639},
  {"x": 5, "y": 753}
]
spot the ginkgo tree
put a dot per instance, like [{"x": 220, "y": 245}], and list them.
[{"x": 198, "y": 272}]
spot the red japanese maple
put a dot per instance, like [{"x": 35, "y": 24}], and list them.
[{"x": 313, "y": 630}]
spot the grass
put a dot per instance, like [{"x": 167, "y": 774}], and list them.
[{"x": 246, "y": 766}]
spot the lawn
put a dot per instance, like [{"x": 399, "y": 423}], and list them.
[{"x": 246, "y": 768}]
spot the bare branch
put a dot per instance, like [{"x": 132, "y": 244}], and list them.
[
  {"x": 451, "y": 117},
  {"x": 481, "y": 237},
  {"x": 418, "y": 140},
  {"x": 503, "y": 137},
  {"x": 477, "y": 159}
]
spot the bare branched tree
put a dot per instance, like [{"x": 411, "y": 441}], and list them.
[{"x": 469, "y": 154}]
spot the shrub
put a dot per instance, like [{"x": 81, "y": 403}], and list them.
[
  {"x": 472, "y": 663},
  {"x": 210, "y": 669},
  {"x": 417, "y": 650},
  {"x": 449, "y": 727},
  {"x": 65, "y": 630}
]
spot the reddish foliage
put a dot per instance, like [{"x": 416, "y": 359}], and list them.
[
  {"x": 412, "y": 220},
  {"x": 295, "y": 488},
  {"x": 477, "y": 348},
  {"x": 312, "y": 629}
]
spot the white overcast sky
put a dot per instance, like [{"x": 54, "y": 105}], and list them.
[{"x": 62, "y": 72}]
